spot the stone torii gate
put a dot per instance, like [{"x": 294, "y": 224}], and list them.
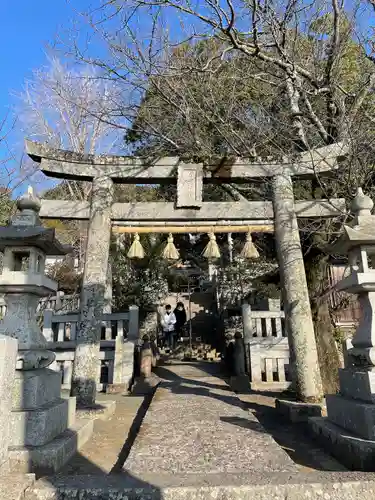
[{"x": 279, "y": 216}]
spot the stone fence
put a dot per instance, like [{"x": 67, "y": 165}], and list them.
[
  {"x": 60, "y": 318},
  {"x": 120, "y": 331},
  {"x": 59, "y": 303},
  {"x": 266, "y": 349}
]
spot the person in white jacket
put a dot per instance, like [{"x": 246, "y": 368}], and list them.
[{"x": 168, "y": 323}]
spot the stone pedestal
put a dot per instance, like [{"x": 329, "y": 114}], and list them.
[
  {"x": 44, "y": 433},
  {"x": 349, "y": 430}
]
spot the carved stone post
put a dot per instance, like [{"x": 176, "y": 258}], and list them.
[
  {"x": 147, "y": 381},
  {"x": 146, "y": 358},
  {"x": 230, "y": 247},
  {"x": 86, "y": 369},
  {"x": 247, "y": 334},
  {"x": 240, "y": 381},
  {"x": 239, "y": 355},
  {"x": 298, "y": 318}
]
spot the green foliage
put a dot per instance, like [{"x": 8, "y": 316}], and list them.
[
  {"x": 7, "y": 205},
  {"x": 240, "y": 281},
  {"x": 141, "y": 282},
  {"x": 66, "y": 276},
  {"x": 339, "y": 335},
  {"x": 137, "y": 285}
]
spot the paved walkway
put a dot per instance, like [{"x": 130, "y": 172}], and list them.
[
  {"x": 199, "y": 440},
  {"x": 196, "y": 425},
  {"x": 195, "y": 412}
]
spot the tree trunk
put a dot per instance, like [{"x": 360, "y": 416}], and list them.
[{"x": 329, "y": 359}]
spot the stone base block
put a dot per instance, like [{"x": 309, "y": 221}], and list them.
[
  {"x": 353, "y": 452},
  {"x": 357, "y": 384},
  {"x": 353, "y": 415},
  {"x": 240, "y": 384},
  {"x": 49, "y": 458},
  {"x": 38, "y": 427},
  {"x": 35, "y": 388},
  {"x": 297, "y": 412},
  {"x": 143, "y": 386},
  {"x": 103, "y": 410},
  {"x": 270, "y": 386},
  {"x": 116, "y": 388}
]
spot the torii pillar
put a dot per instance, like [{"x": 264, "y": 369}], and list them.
[
  {"x": 298, "y": 317},
  {"x": 86, "y": 367}
]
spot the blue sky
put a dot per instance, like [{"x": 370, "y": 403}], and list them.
[{"x": 26, "y": 28}]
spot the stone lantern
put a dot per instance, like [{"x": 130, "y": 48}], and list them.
[
  {"x": 25, "y": 244},
  {"x": 358, "y": 242},
  {"x": 349, "y": 430},
  {"x": 43, "y": 432}
]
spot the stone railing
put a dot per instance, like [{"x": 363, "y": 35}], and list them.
[
  {"x": 63, "y": 327},
  {"x": 266, "y": 349},
  {"x": 59, "y": 303},
  {"x": 119, "y": 333}
]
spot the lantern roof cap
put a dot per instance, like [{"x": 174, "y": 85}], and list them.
[
  {"x": 29, "y": 201},
  {"x": 25, "y": 229},
  {"x": 354, "y": 237},
  {"x": 362, "y": 204}
]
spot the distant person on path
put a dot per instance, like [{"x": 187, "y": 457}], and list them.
[
  {"x": 180, "y": 314},
  {"x": 168, "y": 323}
]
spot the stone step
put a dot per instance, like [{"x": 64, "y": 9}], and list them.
[
  {"x": 352, "y": 451},
  {"x": 354, "y": 415},
  {"x": 314, "y": 486},
  {"x": 49, "y": 458}
]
